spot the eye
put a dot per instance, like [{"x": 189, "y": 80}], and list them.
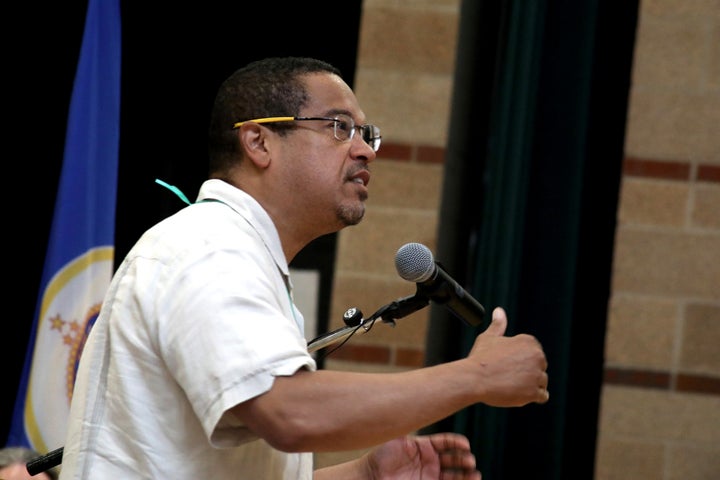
[{"x": 344, "y": 124}]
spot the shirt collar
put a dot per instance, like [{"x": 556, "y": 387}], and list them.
[{"x": 249, "y": 208}]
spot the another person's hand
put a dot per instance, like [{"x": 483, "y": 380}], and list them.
[
  {"x": 441, "y": 456},
  {"x": 512, "y": 370}
]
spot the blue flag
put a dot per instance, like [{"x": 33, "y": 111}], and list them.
[{"x": 79, "y": 260}]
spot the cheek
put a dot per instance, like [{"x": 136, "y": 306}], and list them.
[
  {"x": 307, "y": 182},
  {"x": 313, "y": 166},
  {"x": 321, "y": 170}
]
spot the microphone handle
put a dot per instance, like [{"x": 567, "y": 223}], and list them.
[
  {"x": 443, "y": 289},
  {"x": 45, "y": 462}
]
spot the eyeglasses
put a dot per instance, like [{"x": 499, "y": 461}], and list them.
[{"x": 343, "y": 127}]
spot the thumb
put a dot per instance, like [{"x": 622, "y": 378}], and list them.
[{"x": 499, "y": 323}]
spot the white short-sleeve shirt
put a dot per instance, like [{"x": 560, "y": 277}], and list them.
[{"x": 198, "y": 318}]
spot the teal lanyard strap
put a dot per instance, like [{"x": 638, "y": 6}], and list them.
[{"x": 174, "y": 189}]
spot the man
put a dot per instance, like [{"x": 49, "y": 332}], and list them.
[{"x": 197, "y": 366}]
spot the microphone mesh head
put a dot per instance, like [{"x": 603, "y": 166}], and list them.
[{"x": 414, "y": 262}]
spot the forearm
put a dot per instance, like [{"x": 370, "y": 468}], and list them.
[
  {"x": 356, "y": 469},
  {"x": 331, "y": 411}
]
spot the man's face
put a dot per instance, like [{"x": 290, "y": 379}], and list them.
[{"x": 328, "y": 176}]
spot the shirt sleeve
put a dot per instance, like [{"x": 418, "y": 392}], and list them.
[{"x": 227, "y": 329}]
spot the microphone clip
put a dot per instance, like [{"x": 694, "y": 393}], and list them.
[{"x": 401, "y": 307}]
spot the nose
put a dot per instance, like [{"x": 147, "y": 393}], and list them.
[{"x": 360, "y": 149}]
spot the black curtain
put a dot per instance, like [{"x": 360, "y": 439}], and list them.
[
  {"x": 174, "y": 57},
  {"x": 528, "y": 213}
]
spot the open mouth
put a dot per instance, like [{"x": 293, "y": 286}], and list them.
[{"x": 362, "y": 178}]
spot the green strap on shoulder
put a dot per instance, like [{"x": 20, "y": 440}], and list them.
[
  {"x": 182, "y": 196},
  {"x": 174, "y": 189}
]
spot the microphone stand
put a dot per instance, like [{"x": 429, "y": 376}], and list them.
[{"x": 354, "y": 321}]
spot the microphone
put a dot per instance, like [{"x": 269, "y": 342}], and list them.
[
  {"x": 414, "y": 262},
  {"x": 45, "y": 462}
]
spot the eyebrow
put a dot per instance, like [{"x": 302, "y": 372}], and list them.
[{"x": 340, "y": 111}]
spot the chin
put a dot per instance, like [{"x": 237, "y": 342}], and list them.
[{"x": 351, "y": 216}]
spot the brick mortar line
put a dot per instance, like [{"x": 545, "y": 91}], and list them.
[
  {"x": 671, "y": 170},
  {"x": 681, "y": 382}
]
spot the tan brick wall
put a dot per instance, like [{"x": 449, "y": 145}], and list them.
[
  {"x": 404, "y": 84},
  {"x": 660, "y": 406}
]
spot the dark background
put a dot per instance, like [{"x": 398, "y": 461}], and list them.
[{"x": 174, "y": 57}]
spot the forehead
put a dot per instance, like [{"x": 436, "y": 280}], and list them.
[{"x": 330, "y": 93}]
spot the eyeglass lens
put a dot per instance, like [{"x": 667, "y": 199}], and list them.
[{"x": 345, "y": 130}]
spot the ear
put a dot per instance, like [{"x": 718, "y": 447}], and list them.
[{"x": 253, "y": 140}]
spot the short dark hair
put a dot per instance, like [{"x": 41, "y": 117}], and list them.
[{"x": 265, "y": 88}]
